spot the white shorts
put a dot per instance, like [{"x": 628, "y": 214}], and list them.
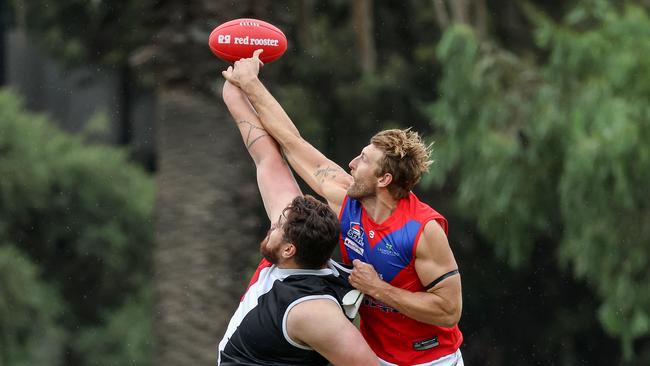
[{"x": 454, "y": 359}]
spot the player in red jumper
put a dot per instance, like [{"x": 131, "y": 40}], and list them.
[{"x": 397, "y": 244}]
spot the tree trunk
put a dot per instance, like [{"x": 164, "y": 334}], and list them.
[
  {"x": 362, "y": 17},
  {"x": 442, "y": 15},
  {"x": 460, "y": 11},
  {"x": 481, "y": 18},
  {"x": 304, "y": 22},
  {"x": 206, "y": 236}
]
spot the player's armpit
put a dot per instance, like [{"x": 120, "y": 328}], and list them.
[{"x": 321, "y": 325}]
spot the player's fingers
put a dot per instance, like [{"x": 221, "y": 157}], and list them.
[
  {"x": 256, "y": 56},
  {"x": 361, "y": 265}
]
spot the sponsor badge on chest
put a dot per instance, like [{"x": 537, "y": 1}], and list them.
[{"x": 354, "y": 238}]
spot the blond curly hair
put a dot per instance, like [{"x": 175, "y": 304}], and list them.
[{"x": 406, "y": 158}]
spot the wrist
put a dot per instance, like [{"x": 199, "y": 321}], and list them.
[
  {"x": 250, "y": 85},
  {"x": 381, "y": 291}
]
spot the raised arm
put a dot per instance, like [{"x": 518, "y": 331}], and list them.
[
  {"x": 274, "y": 179},
  {"x": 436, "y": 267},
  {"x": 323, "y": 175},
  {"x": 321, "y": 325}
]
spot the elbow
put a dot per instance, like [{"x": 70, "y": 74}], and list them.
[
  {"x": 452, "y": 320},
  {"x": 454, "y": 316},
  {"x": 450, "y": 317},
  {"x": 448, "y": 321}
]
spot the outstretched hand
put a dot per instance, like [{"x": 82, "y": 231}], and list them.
[{"x": 244, "y": 70}]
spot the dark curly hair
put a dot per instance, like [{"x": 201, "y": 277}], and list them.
[{"x": 313, "y": 228}]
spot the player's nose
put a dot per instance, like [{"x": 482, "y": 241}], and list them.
[{"x": 353, "y": 163}]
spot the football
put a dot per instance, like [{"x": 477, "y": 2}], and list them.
[{"x": 238, "y": 39}]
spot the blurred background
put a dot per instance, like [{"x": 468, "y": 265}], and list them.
[{"x": 130, "y": 217}]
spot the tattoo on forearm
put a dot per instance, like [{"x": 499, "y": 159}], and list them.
[
  {"x": 251, "y": 126},
  {"x": 255, "y": 140},
  {"x": 326, "y": 172}
]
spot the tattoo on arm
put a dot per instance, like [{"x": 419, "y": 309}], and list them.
[
  {"x": 251, "y": 126},
  {"x": 326, "y": 172}
]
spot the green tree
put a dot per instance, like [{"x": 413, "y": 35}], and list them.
[
  {"x": 555, "y": 154},
  {"x": 123, "y": 337},
  {"x": 93, "y": 31},
  {"x": 29, "y": 334},
  {"x": 83, "y": 216}
]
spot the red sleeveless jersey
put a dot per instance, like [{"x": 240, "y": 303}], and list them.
[{"x": 390, "y": 247}]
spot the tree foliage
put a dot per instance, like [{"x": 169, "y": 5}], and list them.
[
  {"x": 28, "y": 307},
  {"x": 83, "y": 215},
  {"x": 123, "y": 337},
  {"x": 554, "y": 154},
  {"x": 86, "y": 31}
]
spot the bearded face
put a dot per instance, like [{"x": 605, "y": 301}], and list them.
[
  {"x": 364, "y": 169},
  {"x": 361, "y": 188},
  {"x": 271, "y": 246},
  {"x": 269, "y": 252}
]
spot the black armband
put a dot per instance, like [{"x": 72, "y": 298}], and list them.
[{"x": 439, "y": 279}]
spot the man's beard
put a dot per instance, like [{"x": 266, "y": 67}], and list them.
[
  {"x": 359, "y": 190},
  {"x": 270, "y": 254}
]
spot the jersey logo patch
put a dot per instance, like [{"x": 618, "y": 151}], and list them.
[
  {"x": 371, "y": 302},
  {"x": 426, "y": 344},
  {"x": 356, "y": 233},
  {"x": 354, "y": 238},
  {"x": 354, "y": 246},
  {"x": 387, "y": 249}
]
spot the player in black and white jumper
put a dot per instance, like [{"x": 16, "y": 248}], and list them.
[{"x": 298, "y": 306}]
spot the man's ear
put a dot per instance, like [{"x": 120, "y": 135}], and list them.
[
  {"x": 288, "y": 250},
  {"x": 384, "y": 180}
]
